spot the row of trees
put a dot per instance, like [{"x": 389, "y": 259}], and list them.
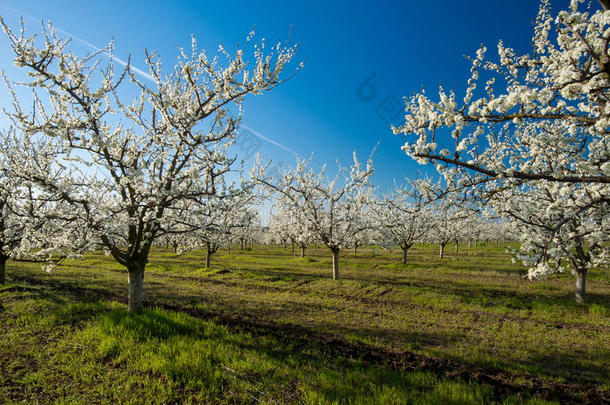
[
  {"x": 84, "y": 168},
  {"x": 532, "y": 146},
  {"x": 343, "y": 212}
]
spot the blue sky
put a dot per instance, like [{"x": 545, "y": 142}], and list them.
[{"x": 328, "y": 108}]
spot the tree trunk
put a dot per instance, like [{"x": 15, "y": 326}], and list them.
[
  {"x": 335, "y": 263},
  {"x": 208, "y": 258},
  {"x": 355, "y": 248},
  {"x": 581, "y": 284},
  {"x": 292, "y": 246},
  {"x": 2, "y": 269},
  {"x": 442, "y": 251},
  {"x": 242, "y": 244},
  {"x": 469, "y": 244},
  {"x": 404, "y": 255},
  {"x": 229, "y": 249},
  {"x": 302, "y": 251},
  {"x": 457, "y": 248},
  {"x": 136, "y": 282}
]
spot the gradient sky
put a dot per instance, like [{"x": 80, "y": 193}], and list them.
[{"x": 328, "y": 108}]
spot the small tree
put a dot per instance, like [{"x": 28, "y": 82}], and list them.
[
  {"x": 449, "y": 221},
  {"x": 287, "y": 223},
  {"x": 330, "y": 208},
  {"x": 245, "y": 225},
  {"x": 555, "y": 237},
  {"x": 403, "y": 217}
]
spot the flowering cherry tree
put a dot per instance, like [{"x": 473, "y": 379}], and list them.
[
  {"x": 448, "y": 225},
  {"x": 365, "y": 221},
  {"x": 280, "y": 229},
  {"x": 328, "y": 207},
  {"x": 214, "y": 220},
  {"x": 245, "y": 225},
  {"x": 528, "y": 120},
  {"x": 120, "y": 166},
  {"x": 403, "y": 217},
  {"x": 289, "y": 225},
  {"x": 177, "y": 240},
  {"x": 556, "y": 237}
]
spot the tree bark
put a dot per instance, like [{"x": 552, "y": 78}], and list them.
[
  {"x": 208, "y": 258},
  {"x": 242, "y": 244},
  {"x": 404, "y": 255},
  {"x": 335, "y": 252},
  {"x": 457, "y": 248},
  {"x": 581, "y": 285},
  {"x": 442, "y": 250},
  {"x": 469, "y": 244},
  {"x": 3, "y": 269},
  {"x": 302, "y": 251},
  {"x": 135, "y": 288},
  {"x": 355, "y": 248}
]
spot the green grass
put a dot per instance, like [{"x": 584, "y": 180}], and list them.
[{"x": 267, "y": 326}]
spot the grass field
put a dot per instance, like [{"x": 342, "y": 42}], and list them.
[{"x": 266, "y": 326}]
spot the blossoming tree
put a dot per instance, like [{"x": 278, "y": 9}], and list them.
[
  {"x": 554, "y": 235},
  {"x": 289, "y": 225},
  {"x": 280, "y": 230},
  {"x": 215, "y": 220},
  {"x": 403, "y": 217},
  {"x": 329, "y": 207},
  {"x": 122, "y": 165}
]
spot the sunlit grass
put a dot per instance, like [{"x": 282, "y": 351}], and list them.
[{"x": 267, "y": 325}]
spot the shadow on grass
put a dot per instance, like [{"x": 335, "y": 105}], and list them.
[
  {"x": 343, "y": 368},
  {"x": 548, "y": 297},
  {"x": 541, "y": 300},
  {"x": 289, "y": 340},
  {"x": 151, "y": 323}
]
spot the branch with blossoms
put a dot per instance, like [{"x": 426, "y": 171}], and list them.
[{"x": 556, "y": 88}]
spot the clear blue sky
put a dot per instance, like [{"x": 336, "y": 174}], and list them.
[{"x": 406, "y": 45}]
